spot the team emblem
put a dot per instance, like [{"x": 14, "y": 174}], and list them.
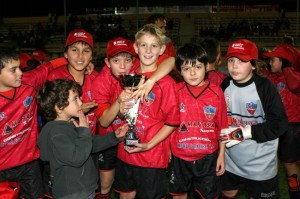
[
  {"x": 280, "y": 86},
  {"x": 27, "y": 101},
  {"x": 151, "y": 98},
  {"x": 209, "y": 112},
  {"x": 251, "y": 107}
]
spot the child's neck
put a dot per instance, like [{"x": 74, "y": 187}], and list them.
[
  {"x": 77, "y": 75},
  {"x": 146, "y": 69}
]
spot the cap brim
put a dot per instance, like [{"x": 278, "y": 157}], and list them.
[
  {"x": 74, "y": 41},
  {"x": 270, "y": 54},
  {"x": 242, "y": 57}
]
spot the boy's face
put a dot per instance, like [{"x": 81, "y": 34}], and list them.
[
  {"x": 276, "y": 64},
  {"x": 162, "y": 24},
  {"x": 120, "y": 64},
  {"x": 193, "y": 75},
  {"x": 239, "y": 70},
  {"x": 10, "y": 76},
  {"x": 73, "y": 108},
  {"x": 149, "y": 49},
  {"x": 79, "y": 55}
]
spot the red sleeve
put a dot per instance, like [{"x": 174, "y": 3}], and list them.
[
  {"x": 170, "y": 50},
  {"x": 100, "y": 109},
  {"x": 59, "y": 62},
  {"x": 292, "y": 79}
]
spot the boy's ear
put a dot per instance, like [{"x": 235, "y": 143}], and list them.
[
  {"x": 57, "y": 109},
  {"x": 106, "y": 62},
  {"x": 162, "y": 49},
  {"x": 65, "y": 55}
]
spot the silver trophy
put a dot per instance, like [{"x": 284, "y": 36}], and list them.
[{"x": 130, "y": 82}]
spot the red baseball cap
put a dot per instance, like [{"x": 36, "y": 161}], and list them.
[
  {"x": 80, "y": 35},
  {"x": 281, "y": 51},
  {"x": 24, "y": 58},
  {"x": 39, "y": 55},
  {"x": 119, "y": 45},
  {"x": 243, "y": 49}
]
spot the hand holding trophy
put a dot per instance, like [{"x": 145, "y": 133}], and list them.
[{"x": 130, "y": 82}]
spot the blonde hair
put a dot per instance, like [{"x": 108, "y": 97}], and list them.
[{"x": 151, "y": 29}]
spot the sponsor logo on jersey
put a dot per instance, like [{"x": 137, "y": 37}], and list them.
[
  {"x": 89, "y": 95},
  {"x": 251, "y": 107},
  {"x": 2, "y": 116},
  {"x": 27, "y": 101},
  {"x": 183, "y": 128},
  {"x": 182, "y": 108},
  {"x": 7, "y": 130},
  {"x": 209, "y": 112}
]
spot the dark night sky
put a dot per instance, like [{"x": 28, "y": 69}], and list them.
[{"x": 27, "y": 8}]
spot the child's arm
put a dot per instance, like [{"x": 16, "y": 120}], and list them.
[
  {"x": 62, "y": 61},
  {"x": 292, "y": 79},
  {"x": 118, "y": 107},
  {"x": 164, "y": 68},
  {"x": 162, "y": 134},
  {"x": 101, "y": 143},
  {"x": 220, "y": 167}
]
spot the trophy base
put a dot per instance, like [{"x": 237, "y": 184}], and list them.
[{"x": 131, "y": 142}]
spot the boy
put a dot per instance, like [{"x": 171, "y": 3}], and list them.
[
  {"x": 19, "y": 159},
  {"x": 285, "y": 79},
  {"x": 157, "y": 119},
  {"x": 79, "y": 54},
  {"x": 161, "y": 21},
  {"x": 66, "y": 145},
  {"x": 197, "y": 158},
  {"x": 213, "y": 51},
  {"x": 256, "y": 118},
  {"x": 107, "y": 92}
]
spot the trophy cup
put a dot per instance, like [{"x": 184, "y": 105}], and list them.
[{"x": 130, "y": 82}]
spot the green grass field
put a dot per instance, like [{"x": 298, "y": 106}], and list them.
[{"x": 282, "y": 186}]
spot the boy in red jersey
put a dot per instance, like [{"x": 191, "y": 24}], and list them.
[
  {"x": 213, "y": 51},
  {"x": 120, "y": 59},
  {"x": 19, "y": 154},
  {"x": 79, "y": 54},
  {"x": 141, "y": 170},
  {"x": 286, "y": 79},
  {"x": 197, "y": 156}
]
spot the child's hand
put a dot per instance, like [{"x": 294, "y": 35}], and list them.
[
  {"x": 138, "y": 147},
  {"x": 90, "y": 68},
  {"x": 121, "y": 131},
  {"x": 125, "y": 101},
  {"x": 143, "y": 89},
  {"x": 86, "y": 107},
  {"x": 83, "y": 120}
]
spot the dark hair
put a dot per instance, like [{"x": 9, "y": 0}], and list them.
[
  {"x": 190, "y": 53},
  {"x": 285, "y": 62},
  {"x": 212, "y": 47},
  {"x": 155, "y": 17},
  {"x": 55, "y": 93},
  {"x": 6, "y": 56}
]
